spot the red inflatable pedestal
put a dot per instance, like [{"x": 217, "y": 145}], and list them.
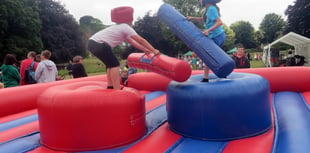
[
  {"x": 173, "y": 68},
  {"x": 86, "y": 116}
]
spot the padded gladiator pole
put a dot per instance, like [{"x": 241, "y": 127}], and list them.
[{"x": 211, "y": 54}]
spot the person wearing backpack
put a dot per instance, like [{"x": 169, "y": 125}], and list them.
[{"x": 26, "y": 64}]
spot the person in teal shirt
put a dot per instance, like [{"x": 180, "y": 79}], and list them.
[
  {"x": 10, "y": 74},
  {"x": 213, "y": 26}
]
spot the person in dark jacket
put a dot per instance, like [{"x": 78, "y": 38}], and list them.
[
  {"x": 78, "y": 69},
  {"x": 10, "y": 73},
  {"x": 241, "y": 59}
]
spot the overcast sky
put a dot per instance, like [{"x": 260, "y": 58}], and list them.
[{"x": 231, "y": 10}]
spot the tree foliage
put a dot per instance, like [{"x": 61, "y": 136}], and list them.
[
  {"x": 60, "y": 32},
  {"x": 159, "y": 35},
  {"x": 230, "y": 38},
  {"x": 186, "y": 7},
  {"x": 258, "y": 38},
  {"x": 19, "y": 27},
  {"x": 90, "y": 25},
  {"x": 272, "y": 27},
  {"x": 244, "y": 33},
  {"x": 298, "y": 18}
]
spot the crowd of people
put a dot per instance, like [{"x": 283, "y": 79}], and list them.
[
  {"x": 294, "y": 60},
  {"x": 194, "y": 61},
  {"x": 34, "y": 69},
  {"x": 15, "y": 74},
  {"x": 241, "y": 59}
]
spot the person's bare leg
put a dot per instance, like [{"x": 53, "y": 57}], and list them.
[
  {"x": 206, "y": 74},
  {"x": 115, "y": 77},
  {"x": 109, "y": 78}
]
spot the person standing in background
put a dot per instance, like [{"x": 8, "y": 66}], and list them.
[
  {"x": 78, "y": 69},
  {"x": 241, "y": 59},
  {"x": 46, "y": 70},
  {"x": 69, "y": 68},
  {"x": 25, "y": 64},
  {"x": 10, "y": 73},
  {"x": 38, "y": 58}
]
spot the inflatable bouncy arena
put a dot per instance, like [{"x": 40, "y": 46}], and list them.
[{"x": 261, "y": 110}]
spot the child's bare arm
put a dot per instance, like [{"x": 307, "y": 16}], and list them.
[{"x": 140, "y": 43}]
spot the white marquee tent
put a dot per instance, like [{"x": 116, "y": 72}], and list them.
[{"x": 300, "y": 43}]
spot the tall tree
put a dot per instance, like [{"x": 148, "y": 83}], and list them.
[
  {"x": 230, "y": 38},
  {"x": 298, "y": 17},
  {"x": 19, "y": 27},
  {"x": 159, "y": 35},
  {"x": 186, "y": 7},
  {"x": 259, "y": 39},
  {"x": 60, "y": 32},
  {"x": 90, "y": 25},
  {"x": 244, "y": 33},
  {"x": 272, "y": 27}
]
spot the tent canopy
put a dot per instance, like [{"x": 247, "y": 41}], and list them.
[
  {"x": 300, "y": 43},
  {"x": 232, "y": 50},
  {"x": 189, "y": 53},
  {"x": 292, "y": 39}
]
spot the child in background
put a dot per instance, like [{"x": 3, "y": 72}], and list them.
[
  {"x": 102, "y": 43},
  {"x": 9, "y": 72},
  {"x": 78, "y": 69},
  {"x": 213, "y": 26}
]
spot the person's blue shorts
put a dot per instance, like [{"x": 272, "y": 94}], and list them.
[{"x": 220, "y": 39}]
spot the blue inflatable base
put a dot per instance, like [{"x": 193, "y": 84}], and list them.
[{"x": 223, "y": 109}]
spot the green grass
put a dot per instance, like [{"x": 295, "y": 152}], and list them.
[
  {"x": 257, "y": 64},
  {"x": 93, "y": 65},
  {"x": 92, "y": 68}
]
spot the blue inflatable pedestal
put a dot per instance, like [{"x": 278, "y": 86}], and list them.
[
  {"x": 223, "y": 109},
  {"x": 211, "y": 54}
]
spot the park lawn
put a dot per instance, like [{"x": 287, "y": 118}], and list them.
[
  {"x": 93, "y": 67},
  {"x": 257, "y": 64}
]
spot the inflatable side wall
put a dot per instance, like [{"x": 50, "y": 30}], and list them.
[{"x": 211, "y": 54}]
